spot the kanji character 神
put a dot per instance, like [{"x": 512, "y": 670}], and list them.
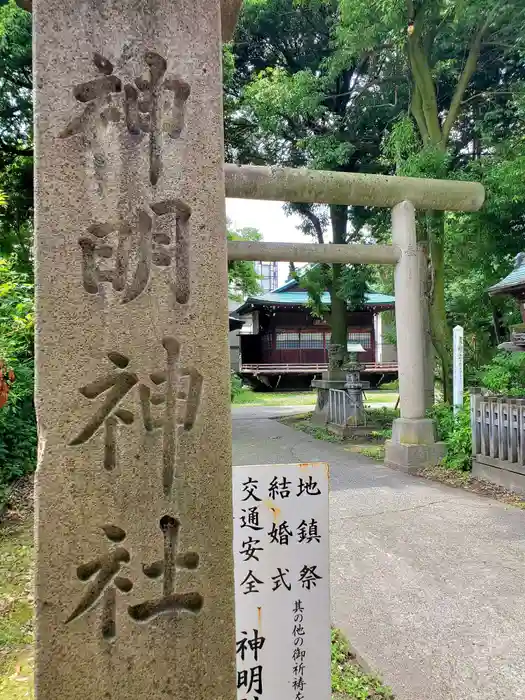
[
  {"x": 145, "y": 242},
  {"x": 142, "y": 103},
  {"x": 170, "y": 602},
  {"x": 180, "y": 398},
  {"x": 255, "y": 644},
  {"x": 104, "y": 585}
]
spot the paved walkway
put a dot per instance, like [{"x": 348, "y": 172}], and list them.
[{"x": 428, "y": 582}]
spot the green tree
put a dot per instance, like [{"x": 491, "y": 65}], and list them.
[
  {"x": 17, "y": 416},
  {"x": 461, "y": 58},
  {"x": 16, "y": 134},
  {"x": 242, "y": 278},
  {"x": 291, "y": 100}
]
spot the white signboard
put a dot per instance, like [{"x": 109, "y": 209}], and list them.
[
  {"x": 457, "y": 343},
  {"x": 282, "y": 581}
]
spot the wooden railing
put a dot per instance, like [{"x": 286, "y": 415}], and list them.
[
  {"x": 309, "y": 368},
  {"x": 498, "y": 431}
]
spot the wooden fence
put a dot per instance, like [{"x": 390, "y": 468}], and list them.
[{"x": 498, "y": 438}]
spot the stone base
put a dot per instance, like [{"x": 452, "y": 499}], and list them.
[
  {"x": 502, "y": 477},
  {"x": 351, "y": 431},
  {"x": 413, "y": 431},
  {"x": 412, "y": 458},
  {"x": 323, "y": 386}
]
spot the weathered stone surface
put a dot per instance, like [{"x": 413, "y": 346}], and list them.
[
  {"x": 411, "y": 458},
  {"x": 414, "y": 432},
  {"x": 134, "y": 475},
  {"x": 229, "y": 13}
]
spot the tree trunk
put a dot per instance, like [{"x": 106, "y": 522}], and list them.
[
  {"x": 438, "y": 319},
  {"x": 338, "y": 316},
  {"x": 430, "y": 355}
]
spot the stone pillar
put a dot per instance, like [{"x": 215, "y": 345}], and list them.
[
  {"x": 413, "y": 435},
  {"x": 134, "y": 583}
]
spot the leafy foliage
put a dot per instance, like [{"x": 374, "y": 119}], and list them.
[
  {"x": 235, "y": 386},
  {"x": 18, "y": 435},
  {"x": 242, "y": 278},
  {"x": 505, "y": 374},
  {"x": 16, "y": 134},
  {"x": 455, "y": 431}
]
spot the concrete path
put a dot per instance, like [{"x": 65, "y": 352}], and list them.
[{"x": 428, "y": 582}]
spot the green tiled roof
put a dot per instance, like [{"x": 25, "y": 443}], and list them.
[
  {"x": 301, "y": 298},
  {"x": 515, "y": 279}
]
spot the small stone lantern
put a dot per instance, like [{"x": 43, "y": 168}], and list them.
[{"x": 354, "y": 387}]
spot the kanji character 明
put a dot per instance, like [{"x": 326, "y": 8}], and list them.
[
  {"x": 105, "y": 581},
  {"x": 254, "y": 644},
  {"x": 141, "y": 104},
  {"x": 251, "y": 679},
  {"x": 171, "y": 601},
  {"x": 144, "y": 242}
]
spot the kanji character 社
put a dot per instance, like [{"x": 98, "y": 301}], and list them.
[
  {"x": 104, "y": 585},
  {"x": 170, "y": 602}
]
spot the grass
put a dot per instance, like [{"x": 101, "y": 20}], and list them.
[
  {"x": 16, "y": 611},
  {"x": 389, "y": 397},
  {"x": 247, "y": 397},
  {"x": 349, "y": 681},
  {"x": 376, "y": 452}
]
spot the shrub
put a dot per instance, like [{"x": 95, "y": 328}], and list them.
[
  {"x": 235, "y": 385},
  {"x": 505, "y": 374},
  {"x": 18, "y": 437},
  {"x": 455, "y": 431}
]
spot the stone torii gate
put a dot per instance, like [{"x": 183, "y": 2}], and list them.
[{"x": 134, "y": 582}]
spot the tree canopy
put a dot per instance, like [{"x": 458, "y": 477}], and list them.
[{"x": 428, "y": 88}]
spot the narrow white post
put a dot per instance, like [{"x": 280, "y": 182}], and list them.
[
  {"x": 457, "y": 346},
  {"x": 413, "y": 442}
]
